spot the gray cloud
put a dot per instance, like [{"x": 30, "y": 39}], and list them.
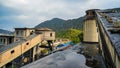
[{"x": 36, "y": 11}]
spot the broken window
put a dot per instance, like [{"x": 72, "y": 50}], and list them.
[
  {"x": 50, "y": 34},
  {"x": 17, "y": 32},
  {"x": 27, "y": 43},
  {"x": 3, "y": 40},
  {"x": 12, "y": 51}
]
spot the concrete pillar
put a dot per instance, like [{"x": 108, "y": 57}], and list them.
[
  {"x": 4, "y": 66},
  {"x": 24, "y": 33},
  {"x": 33, "y": 53},
  {"x": 50, "y": 45},
  {"x": 5, "y": 41},
  {"x": 38, "y": 51}
]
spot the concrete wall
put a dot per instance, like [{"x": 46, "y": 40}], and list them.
[
  {"x": 48, "y": 35},
  {"x": 110, "y": 48},
  {"x": 23, "y": 33},
  {"x": 5, "y": 40},
  {"x": 90, "y": 31},
  {"x": 117, "y": 62},
  {"x": 8, "y": 55},
  {"x": 30, "y": 42}
]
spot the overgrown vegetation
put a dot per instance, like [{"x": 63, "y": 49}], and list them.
[{"x": 73, "y": 34}]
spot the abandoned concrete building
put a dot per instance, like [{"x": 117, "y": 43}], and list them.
[
  {"x": 6, "y": 39},
  {"x": 23, "y": 43}
]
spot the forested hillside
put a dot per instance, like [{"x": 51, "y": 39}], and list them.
[
  {"x": 57, "y": 24},
  {"x": 73, "y": 34}
]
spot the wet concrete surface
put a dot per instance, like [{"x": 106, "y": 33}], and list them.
[
  {"x": 63, "y": 59},
  {"x": 93, "y": 57},
  {"x": 79, "y": 56}
]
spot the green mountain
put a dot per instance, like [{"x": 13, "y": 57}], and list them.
[
  {"x": 112, "y": 10},
  {"x": 5, "y": 31},
  {"x": 54, "y": 24},
  {"x": 60, "y": 24}
]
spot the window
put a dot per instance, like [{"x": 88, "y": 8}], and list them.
[
  {"x": 1, "y": 40},
  {"x": 96, "y": 24},
  {"x": 4, "y": 41},
  {"x": 87, "y": 13},
  {"x": 16, "y": 39},
  {"x": 17, "y": 32},
  {"x": 21, "y": 33},
  {"x": 31, "y": 33},
  {"x": 50, "y": 34},
  {"x": 12, "y": 51},
  {"x": 97, "y": 29},
  {"x": 27, "y": 43}
]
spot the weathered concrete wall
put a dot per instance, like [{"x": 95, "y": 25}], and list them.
[
  {"x": 23, "y": 33},
  {"x": 108, "y": 51},
  {"x": 5, "y": 40},
  {"x": 48, "y": 35},
  {"x": 10, "y": 54}
]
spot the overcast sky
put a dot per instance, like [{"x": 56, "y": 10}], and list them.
[{"x": 29, "y": 13}]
